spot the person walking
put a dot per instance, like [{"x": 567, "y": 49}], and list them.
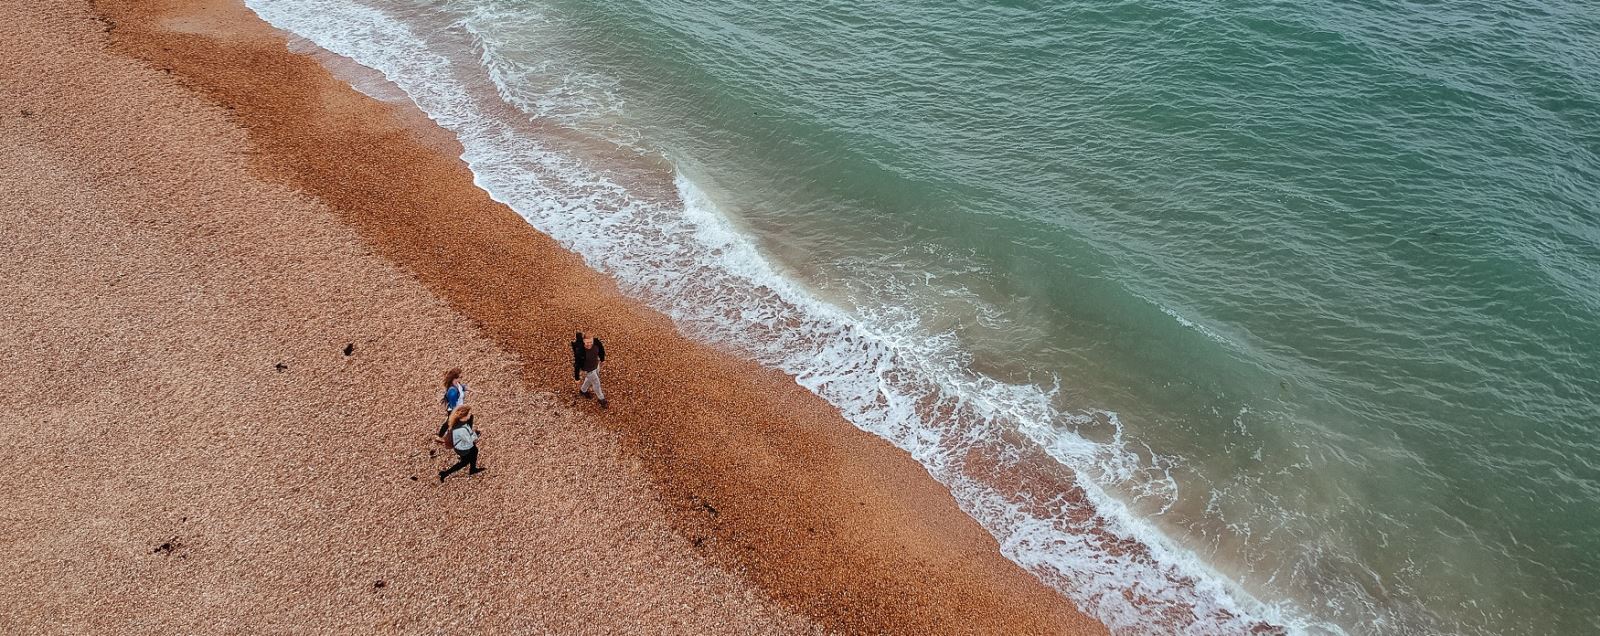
[
  {"x": 455, "y": 394},
  {"x": 588, "y": 354},
  {"x": 464, "y": 439}
]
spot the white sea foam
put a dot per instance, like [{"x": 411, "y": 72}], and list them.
[
  {"x": 1201, "y": 329},
  {"x": 884, "y": 373}
]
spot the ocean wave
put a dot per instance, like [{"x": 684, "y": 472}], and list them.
[{"x": 1015, "y": 461}]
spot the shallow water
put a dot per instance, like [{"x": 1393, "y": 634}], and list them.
[{"x": 1306, "y": 298}]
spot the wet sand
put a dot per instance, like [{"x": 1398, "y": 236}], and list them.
[{"x": 191, "y": 205}]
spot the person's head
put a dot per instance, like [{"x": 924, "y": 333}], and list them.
[
  {"x": 461, "y": 414},
  {"x": 451, "y": 376},
  {"x": 588, "y": 341}
]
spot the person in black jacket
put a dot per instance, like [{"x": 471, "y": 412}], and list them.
[{"x": 587, "y": 356}]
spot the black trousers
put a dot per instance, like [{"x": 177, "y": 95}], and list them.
[
  {"x": 468, "y": 457},
  {"x": 445, "y": 425}
]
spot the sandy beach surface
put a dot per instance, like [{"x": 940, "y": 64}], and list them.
[{"x": 200, "y": 224}]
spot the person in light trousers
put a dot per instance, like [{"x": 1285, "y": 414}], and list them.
[{"x": 588, "y": 355}]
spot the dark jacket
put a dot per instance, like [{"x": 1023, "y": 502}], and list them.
[{"x": 577, "y": 353}]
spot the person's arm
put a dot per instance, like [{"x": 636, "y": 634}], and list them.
[
  {"x": 449, "y": 435},
  {"x": 600, "y": 349}
]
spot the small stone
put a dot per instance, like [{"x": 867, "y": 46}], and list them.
[{"x": 167, "y": 547}]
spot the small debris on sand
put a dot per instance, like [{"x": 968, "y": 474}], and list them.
[{"x": 167, "y": 547}]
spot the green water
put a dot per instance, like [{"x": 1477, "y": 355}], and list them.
[
  {"x": 1383, "y": 222},
  {"x": 1336, "y": 268}
]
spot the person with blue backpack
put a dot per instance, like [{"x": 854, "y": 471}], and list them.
[{"x": 455, "y": 394}]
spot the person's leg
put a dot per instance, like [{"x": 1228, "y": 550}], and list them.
[
  {"x": 444, "y": 427},
  {"x": 594, "y": 377},
  {"x": 591, "y": 381},
  {"x": 463, "y": 458},
  {"x": 472, "y": 457}
]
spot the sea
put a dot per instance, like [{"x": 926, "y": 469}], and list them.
[{"x": 1215, "y": 314}]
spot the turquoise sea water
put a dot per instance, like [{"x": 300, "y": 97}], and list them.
[{"x": 1308, "y": 296}]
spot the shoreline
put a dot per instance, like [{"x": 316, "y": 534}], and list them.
[
  {"x": 755, "y": 474},
  {"x": 1068, "y": 534}
]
